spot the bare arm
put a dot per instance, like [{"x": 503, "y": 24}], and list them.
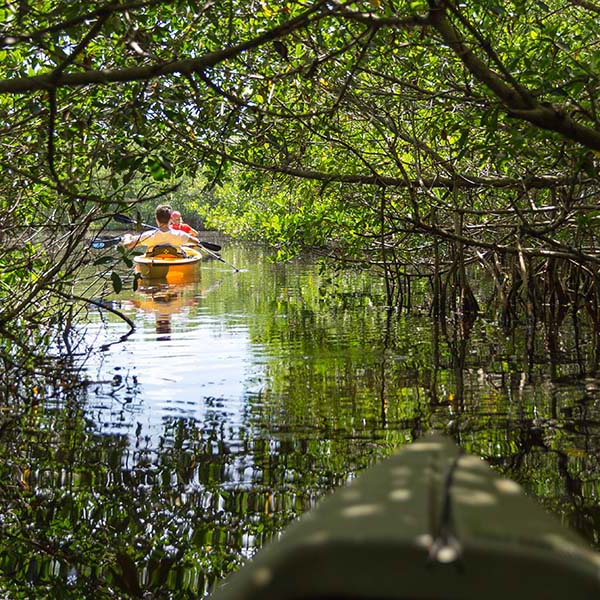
[{"x": 131, "y": 241}]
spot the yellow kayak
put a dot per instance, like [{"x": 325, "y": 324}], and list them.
[{"x": 175, "y": 265}]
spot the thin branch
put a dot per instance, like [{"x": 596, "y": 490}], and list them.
[
  {"x": 586, "y": 4},
  {"x": 103, "y": 306},
  {"x": 461, "y": 181},
  {"x": 102, "y": 11},
  {"x": 91, "y": 34}
]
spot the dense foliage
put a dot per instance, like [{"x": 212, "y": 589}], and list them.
[
  {"x": 418, "y": 137},
  {"x": 474, "y": 125}
]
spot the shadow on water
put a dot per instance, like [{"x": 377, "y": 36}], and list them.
[{"x": 242, "y": 398}]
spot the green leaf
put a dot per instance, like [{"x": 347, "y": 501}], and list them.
[
  {"x": 157, "y": 169},
  {"x": 117, "y": 282}
]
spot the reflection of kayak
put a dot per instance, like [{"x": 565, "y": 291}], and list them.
[
  {"x": 167, "y": 262},
  {"x": 167, "y": 299},
  {"x": 164, "y": 299},
  {"x": 425, "y": 523}
]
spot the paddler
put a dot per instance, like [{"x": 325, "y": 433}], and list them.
[
  {"x": 177, "y": 223},
  {"x": 162, "y": 235}
]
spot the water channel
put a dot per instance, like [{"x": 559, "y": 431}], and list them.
[{"x": 243, "y": 397}]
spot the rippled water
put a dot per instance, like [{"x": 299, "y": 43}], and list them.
[{"x": 242, "y": 397}]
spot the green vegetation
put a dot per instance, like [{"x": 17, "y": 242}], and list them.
[
  {"x": 425, "y": 140},
  {"x": 417, "y": 137}
]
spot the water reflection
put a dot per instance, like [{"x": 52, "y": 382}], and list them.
[
  {"x": 187, "y": 449},
  {"x": 162, "y": 300},
  {"x": 180, "y": 359}
]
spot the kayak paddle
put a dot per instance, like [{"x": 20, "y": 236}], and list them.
[{"x": 215, "y": 255}]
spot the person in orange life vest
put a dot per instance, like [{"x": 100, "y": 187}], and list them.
[
  {"x": 163, "y": 235},
  {"x": 177, "y": 224}
]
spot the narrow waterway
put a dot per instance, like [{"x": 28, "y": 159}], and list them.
[{"x": 241, "y": 398}]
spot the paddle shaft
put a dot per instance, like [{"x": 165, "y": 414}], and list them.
[
  {"x": 215, "y": 255},
  {"x": 120, "y": 218}
]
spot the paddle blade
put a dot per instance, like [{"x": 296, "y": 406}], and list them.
[
  {"x": 120, "y": 218},
  {"x": 101, "y": 243},
  {"x": 125, "y": 220},
  {"x": 209, "y": 246}
]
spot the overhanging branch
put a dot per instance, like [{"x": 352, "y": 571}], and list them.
[
  {"x": 518, "y": 101},
  {"x": 146, "y": 72},
  {"x": 432, "y": 182}
]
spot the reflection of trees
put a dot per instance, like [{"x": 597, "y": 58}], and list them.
[
  {"x": 343, "y": 383},
  {"x": 555, "y": 463},
  {"x": 543, "y": 426},
  {"x": 517, "y": 396},
  {"x": 90, "y": 511}
]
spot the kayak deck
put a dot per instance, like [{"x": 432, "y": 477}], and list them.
[{"x": 427, "y": 523}]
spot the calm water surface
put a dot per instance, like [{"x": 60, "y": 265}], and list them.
[{"x": 241, "y": 398}]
